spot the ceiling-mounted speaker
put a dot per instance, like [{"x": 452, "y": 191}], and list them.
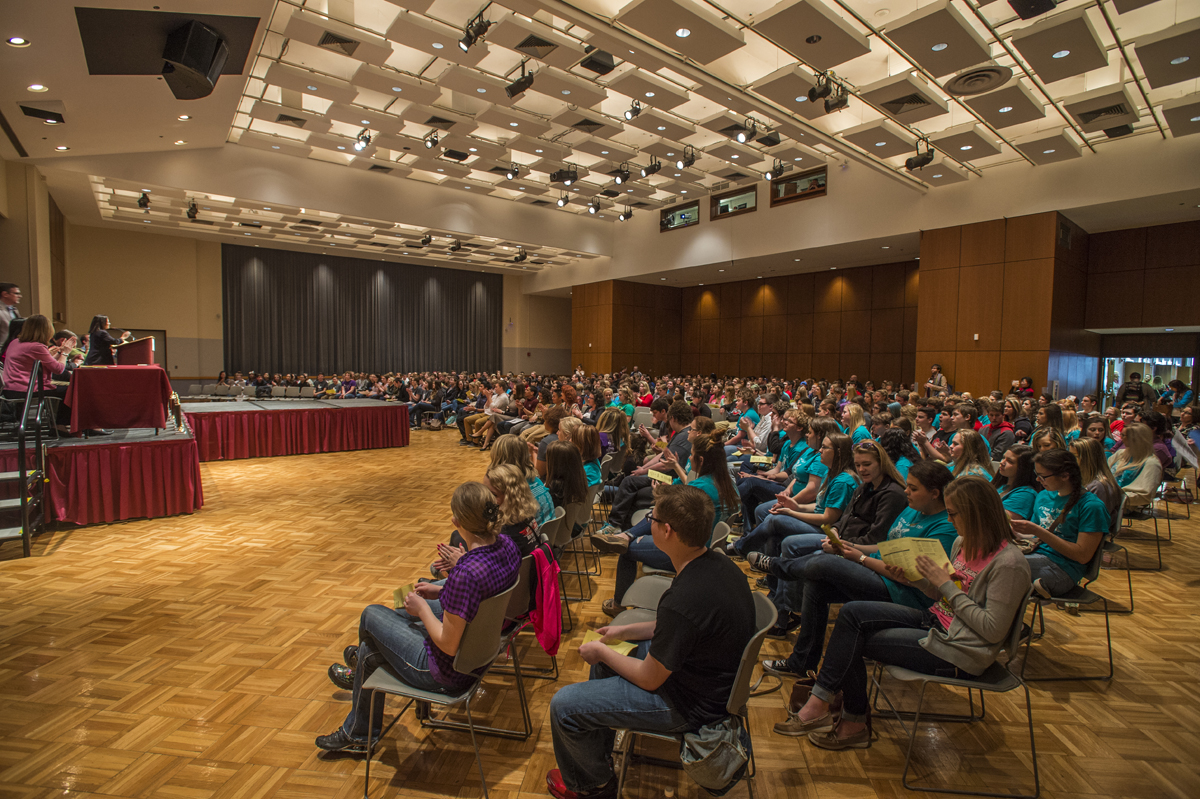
[
  {"x": 978, "y": 80},
  {"x": 599, "y": 61},
  {"x": 194, "y": 57},
  {"x": 1028, "y": 9}
]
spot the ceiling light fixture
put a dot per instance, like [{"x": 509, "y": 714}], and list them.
[
  {"x": 475, "y": 30},
  {"x": 1061, "y": 54},
  {"x": 777, "y": 169},
  {"x": 563, "y": 199},
  {"x": 180, "y": 141},
  {"x": 36, "y": 87},
  {"x": 144, "y": 202},
  {"x": 625, "y": 215},
  {"x": 689, "y": 158},
  {"x": 183, "y": 117},
  {"x": 520, "y": 84},
  {"x": 18, "y": 41},
  {"x": 456, "y": 246},
  {"x": 363, "y": 140},
  {"x": 1183, "y": 59},
  {"x": 921, "y": 159},
  {"x": 62, "y": 147},
  {"x": 566, "y": 176},
  {"x": 193, "y": 211},
  {"x": 634, "y": 109},
  {"x": 839, "y": 100},
  {"x": 622, "y": 175},
  {"x": 426, "y": 240},
  {"x": 747, "y": 133},
  {"x": 520, "y": 256},
  {"x": 431, "y": 139},
  {"x": 939, "y": 47},
  {"x": 652, "y": 168},
  {"x": 1006, "y": 109},
  {"x": 513, "y": 172},
  {"x": 683, "y": 33},
  {"x": 823, "y": 88},
  {"x": 594, "y": 207}
]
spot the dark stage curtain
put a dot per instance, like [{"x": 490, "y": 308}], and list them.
[{"x": 305, "y": 312}]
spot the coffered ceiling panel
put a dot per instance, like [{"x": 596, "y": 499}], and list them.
[
  {"x": 660, "y": 124},
  {"x": 337, "y": 37},
  {"x": 1182, "y": 115},
  {"x": 905, "y": 97},
  {"x": 788, "y": 87},
  {"x": 968, "y": 142},
  {"x": 1012, "y": 105},
  {"x": 565, "y": 87},
  {"x": 1103, "y": 108},
  {"x": 434, "y": 38},
  {"x": 1049, "y": 147},
  {"x": 812, "y": 32},
  {"x": 882, "y": 138},
  {"x": 649, "y": 89},
  {"x": 585, "y": 122},
  {"x": 943, "y": 172},
  {"x": 1171, "y": 55},
  {"x": 309, "y": 82},
  {"x": 684, "y": 26},
  {"x": 390, "y": 82},
  {"x": 1062, "y": 46},
  {"x": 939, "y": 38}
]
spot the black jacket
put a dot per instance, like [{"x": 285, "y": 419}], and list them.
[{"x": 870, "y": 513}]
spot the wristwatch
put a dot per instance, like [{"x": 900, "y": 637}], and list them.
[{"x": 862, "y": 557}]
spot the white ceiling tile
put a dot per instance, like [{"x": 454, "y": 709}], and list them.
[
  {"x": 1049, "y": 147},
  {"x": 811, "y": 32},
  {"x": 683, "y": 26},
  {"x": 939, "y": 25},
  {"x": 1061, "y": 46}
]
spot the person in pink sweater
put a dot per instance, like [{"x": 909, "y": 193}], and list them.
[{"x": 31, "y": 347}]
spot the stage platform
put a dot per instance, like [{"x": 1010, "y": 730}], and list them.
[{"x": 231, "y": 430}]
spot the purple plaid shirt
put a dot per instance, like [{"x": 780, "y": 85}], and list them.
[{"x": 481, "y": 573}]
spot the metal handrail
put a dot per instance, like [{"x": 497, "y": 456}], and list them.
[{"x": 35, "y": 379}]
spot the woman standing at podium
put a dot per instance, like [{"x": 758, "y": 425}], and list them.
[{"x": 101, "y": 343}]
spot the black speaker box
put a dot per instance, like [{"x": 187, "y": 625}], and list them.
[
  {"x": 195, "y": 55},
  {"x": 599, "y": 62},
  {"x": 1028, "y": 9}
]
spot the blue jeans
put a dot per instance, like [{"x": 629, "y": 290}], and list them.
[
  {"x": 414, "y": 413},
  {"x": 585, "y": 716},
  {"x": 641, "y": 550},
  {"x": 1053, "y": 578},
  {"x": 754, "y": 491},
  {"x": 768, "y": 535},
  {"x": 829, "y": 579},
  {"x": 788, "y": 593},
  {"x": 884, "y": 632},
  {"x": 395, "y": 639},
  {"x": 761, "y": 513}
]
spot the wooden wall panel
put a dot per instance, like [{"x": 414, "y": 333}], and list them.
[
  {"x": 775, "y": 296},
  {"x": 729, "y": 300},
  {"x": 887, "y": 325},
  {"x": 799, "y": 363},
  {"x": 1028, "y": 294},
  {"x": 856, "y": 289},
  {"x": 827, "y": 332},
  {"x": 1173, "y": 245},
  {"x": 1114, "y": 299},
  {"x": 730, "y": 364},
  {"x": 710, "y": 336},
  {"x": 750, "y": 338},
  {"x": 800, "y": 294},
  {"x": 937, "y": 316},
  {"x": 827, "y": 291},
  {"x": 978, "y": 309},
  {"x": 886, "y": 366},
  {"x": 689, "y": 364},
  {"x": 912, "y": 283},
  {"x": 1117, "y": 251},
  {"x": 775, "y": 334},
  {"x": 887, "y": 286},
  {"x": 856, "y": 332},
  {"x": 708, "y": 305},
  {"x": 826, "y": 366},
  {"x": 983, "y": 243},
  {"x": 909, "y": 342},
  {"x": 925, "y": 360},
  {"x": 799, "y": 334},
  {"x": 977, "y": 372},
  {"x": 1015, "y": 364},
  {"x": 751, "y": 363},
  {"x": 1030, "y": 237},
  {"x": 752, "y": 297},
  {"x": 775, "y": 364},
  {"x": 940, "y": 248},
  {"x": 1169, "y": 299}
]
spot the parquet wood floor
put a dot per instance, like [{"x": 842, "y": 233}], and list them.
[{"x": 185, "y": 658}]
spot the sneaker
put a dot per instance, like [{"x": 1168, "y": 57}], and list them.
[
  {"x": 339, "y": 741},
  {"x": 611, "y": 608},
  {"x": 350, "y": 656},
  {"x": 466, "y": 442},
  {"x": 830, "y": 740},
  {"x": 761, "y": 582},
  {"x": 784, "y": 626},
  {"x": 342, "y": 676},
  {"x": 760, "y": 562},
  {"x": 559, "y": 790},
  {"x": 780, "y": 668},
  {"x": 794, "y": 727},
  {"x": 606, "y": 542},
  {"x": 732, "y": 551},
  {"x": 1041, "y": 590}
]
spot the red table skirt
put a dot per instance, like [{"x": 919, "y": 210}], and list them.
[
  {"x": 261, "y": 434},
  {"x": 112, "y": 482}
]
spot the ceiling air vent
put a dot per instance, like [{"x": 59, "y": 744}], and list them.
[
  {"x": 338, "y": 44},
  {"x": 720, "y": 186},
  {"x": 639, "y": 204},
  {"x": 536, "y": 46},
  {"x": 200, "y": 221},
  {"x": 313, "y": 222},
  {"x": 610, "y": 193},
  {"x": 499, "y": 170},
  {"x": 53, "y": 117},
  {"x": 1118, "y": 131},
  {"x": 306, "y": 228},
  {"x": 909, "y": 102},
  {"x": 377, "y": 244},
  {"x": 587, "y": 125},
  {"x": 378, "y": 168},
  {"x": 978, "y": 80},
  {"x": 456, "y": 155},
  {"x": 250, "y": 224},
  {"x": 438, "y": 122},
  {"x": 1118, "y": 110},
  {"x": 295, "y": 122},
  {"x": 540, "y": 202}
]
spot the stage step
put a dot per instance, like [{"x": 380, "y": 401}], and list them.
[
  {"x": 10, "y": 504},
  {"x": 12, "y": 477},
  {"x": 9, "y": 533}
]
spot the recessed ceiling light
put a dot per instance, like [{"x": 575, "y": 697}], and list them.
[
  {"x": 566, "y": 91},
  {"x": 1061, "y": 54},
  {"x": 181, "y": 141},
  {"x": 649, "y": 94},
  {"x": 340, "y": 147},
  {"x": 441, "y": 170},
  {"x": 965, "y": 147},
  {"x": 701, "y": 284},
  {"x": 18, "y": 41},
  {"x": 398, "y": 89},
  {"x": 50, "y": 121},
  {"x": 662, "y": 127},
  {"x": 473, "y": 149},
  {"x": 537, "y": 151},
  {"x": 683, "y": 33},
  {"x": 734, "y": 155},
  {"x": 939, "y": 47},
  {"x": 312, "y": 88},
  {"x": 266, "y": 208},
  {"x": 758, "y": 277},
  {"x": 366, "y": 122},
  {"x": 62, "y": 147},
  {"x": 678, "y": 175},
  {"x": 438, "y": 45},
  {"x": 885, "y": 247},
  {"x": 670, "y": 155},
  {"x": 1183, "y": 59},
  {"x": 183, "y": 117},
  {"x": 1047, "y": 152},
  {"x": 799, "y": 158},
  {"x": 482, "y": 91},
  {"x": 36, "y": 87},
  {"x": 246, "y": 234},
  {"x": 662, "y": 278},
  {"x": 1195, "y": 119},
  {"x": 1006, "y": 109},
  {"x": 602, "y": 152},
  {"x": 833, "y": 267},
  {"x": 797, "y": 260},
  {"x": 880, "y": 144},
  {"x": 274, "y": 146},
  {"x": 936, "y": 176},
  {"x": 512, "y": 124},
  {"x": 147, "y": 221},
  {"x": 802, "y": 99},
  {"x": 1168, "y": 329},
  {"x": 683, "y": 191}
]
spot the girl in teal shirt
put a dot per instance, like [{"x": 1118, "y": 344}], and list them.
[{"x": 1017, "y": 482}]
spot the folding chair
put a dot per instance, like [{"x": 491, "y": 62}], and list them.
[
  {"x": 194, "y": 390},
  {"x": 551, "y": 533},
  {"x": 223, "y": 391},
  {"x": 1111, "y": 547},
  {"x": 764, "y": 619},
  {"x": 307, "y": 392},
  {"x": 292, "y": 392},
  {"x": 997, "y": 679},
  {"x": 577, "y": 513},
  {"x": 517, "y": 619},
  {"x": 210, "y": 389},
  {"x": 1078, "y": 595},
  {"x": 1152, "y": 514},
  {"x": 481, "y": 644}
]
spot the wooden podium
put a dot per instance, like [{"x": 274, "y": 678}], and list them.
[{"x": 139, "y": 352}]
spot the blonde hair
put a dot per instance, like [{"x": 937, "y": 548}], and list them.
[
  {"x": 511, "y": 449},
  {"x": 615, "y": 423},
  {"x": 873, "y": 447},
  {"x": 1093, "y": 465},
  {"x": 475, "y": 509},
  {"x": 518, "y": 504},
  {"x": 975, "y": 453},
  {"x": 567, "y": 425},
  {"x": 1139, "y": 445},
  {"x": 979, "y": 516},
  {"x": 855, "y": 413}
]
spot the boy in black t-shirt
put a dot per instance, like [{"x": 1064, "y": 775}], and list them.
[{"x": 680, "y": 675}]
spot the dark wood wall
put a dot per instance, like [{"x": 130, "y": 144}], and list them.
[
  {"x": 1144, "y": 277},
  {"x": 617, "y": 325}
]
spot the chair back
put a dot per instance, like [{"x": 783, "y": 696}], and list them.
[
  {"x": 194, "y": 389},
  {"x": 519, "y": 598},
  {"x": 308, "y": 392},
  {"x": 1014, "y": 634},
  {"x": 718, "y": 414},
  {"x": 292, "y": 391},
  {"x": 589, "y": 501},
  {"x": 210, "y": 388},
  {"x": 720, "y": 533},
  {"x": 576, "y": 513},
  {"x": 223, "y": 391},
  {"x": 765, "y": 616},
  {"x": 278, "y": 391},
  {"x": 1114, "y": 526},
  {"x": 639, "y": 515},
  {"x": 606, "y": 468},
  {"x": 550, "y": 527},
  {"x": 481, "y": 640},
  {"x": 1093, "y": 569},
  {"x": 641, "y": 415}
]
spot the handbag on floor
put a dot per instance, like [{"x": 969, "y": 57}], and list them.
[{"x": 716, "y": 755}]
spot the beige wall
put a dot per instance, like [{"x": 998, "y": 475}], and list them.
[
  {"x": 146, "y": 281},
  {"x": 25, "y": 237},
  {"x": 537, "y": 331}
]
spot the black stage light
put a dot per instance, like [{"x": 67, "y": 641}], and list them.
[
  {"x": 193, "y": 211},
  {"x": 743, "y": 136},
  {"x": 362, "y": 140},
  {"x": 426, "y": 240},
  {"x": 473, "y": 32},
  {"x": 431, "y": 139},
  {"x": 456, "y": 246},
  {"x": 513, "y": 172},
  {"x": 144, "y": 201},
  {"x": 622, "y": 175},
  {"x": 626, "y": 214},
  {"x": 652, "y": 168},
  {"x": 838, "y": 101},
  {"x": 594, "y": 207},
  {"x": 520, "y": 256},
  {"x": 633, "y": 110},
  {"x": 520, "y": 84},
  {"x": 777, "y": 169},
  {"x": 822, "y": 89},
  {"x": 689, "y": 158},
  {"x": 563, "y": 200},
  {"x": 921, "y": 159}
]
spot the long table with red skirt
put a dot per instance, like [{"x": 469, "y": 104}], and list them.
[
  {"x": 133, "y": 475},
  {"x": 118, "y": 397},
  {"x": 266, "y": 428}
]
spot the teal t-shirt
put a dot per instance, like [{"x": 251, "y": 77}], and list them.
[
  {"x": 706, "y": 484},
  {"x": 903, "y": 465},
  {"x": 861, "y": 433},
  {"x": 628, "y": 408},
  {"x": 788, "y": 454},
  {"x": 753, "y": 416},
  {"x": 911, "y": 523},
  {"x": 544, "y": 500},
  {"x": 1088, "y": 516},
  {"x": 807, "y": 465},
  {"x": 837, "y": 494},
  {"x": 592, "y": 470},
  {"x": 1071, "y": 436},
  {"x": 1019, "y": 501}
]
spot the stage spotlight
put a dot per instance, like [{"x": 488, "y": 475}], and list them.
[
  {"x": 822, "y": 89},
  {"x": 431, "y": 139},
  {"x": 362, "y": 140},
  {"x": 193, "y": 211},
  {"x": 566, "y": 176},
  {"x": 777, "y": 169},
  {"x": 838, "y": 101},
  {"x": 456, "y": 246},
  {"x": 594, "y": 207},
  {"x": 513, "y": 172},
  {"x": 563, "y": 200},
  {"x": 633, "y": 110},
  {"x": 520, "y": 256},
  {"x": 426, "y": 240},
  {"x": 921, "y": 159},
  {"x": 473, "y": 32},
  {"x": 626, "y": 214},
  {"x": 689, "y": 158},
  {"x": 652, "y": 168},
  {"x": 622, "y": 174},
  {"x": 743, "y": 136},
  {"x": 520, "y": 84},
  {"x": 144, "y": 201}
]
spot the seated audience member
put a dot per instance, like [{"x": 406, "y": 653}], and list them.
[
  {"x": 849, "y": 573},
  {"x": 613, "y": 428},
  {"x": 960, "y": 634},
  {"x": 1135, "y": 465},
  {"x": 634, "y": 491},
  {"x": 587, "y": 440},
  {"x": 1164, "y": 450},
  {"x": 873, "y": 507},
  {"x": 1067, "y": 522},
  {"x": 1016, "y": 481},
  {"x": 1047, "y": 438},
  {"x": 1070, "y": 421},
  {"x": 565, "y": 479},
  {"x": 1050, "y": 415},
  {"x": 969, "y": 454},
  {"x": 680, "y": 675},
  {"x": 808, "y": 473},
  {"x": 1189, "y": 429},
  {"x": 1001, "y": 434},
  {"x": 1094, "y": 473},
  {"x": 32, "y": 346},
  {"x": 898, "y": 446},
  {"x": 512, "y": 450},
  {"x": 754, "y": 489},
  {"x": 423, "y": 656},
  {"x": 637, "y": 546},
  {"x": 852, "y": 422},
  {"x": 1096, "y": 427},
  {"x": 550, "y": 421}
]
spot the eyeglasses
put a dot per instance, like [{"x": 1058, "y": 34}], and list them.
[
  {"x": 864, "y": 445},
  {"x": 650, "y": 517}
]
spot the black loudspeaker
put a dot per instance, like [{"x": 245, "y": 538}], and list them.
[
  {"x": 194, "y": 57},
  {"x": 599, "y": 62},
  {"x": 1028, "y": 9}
]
